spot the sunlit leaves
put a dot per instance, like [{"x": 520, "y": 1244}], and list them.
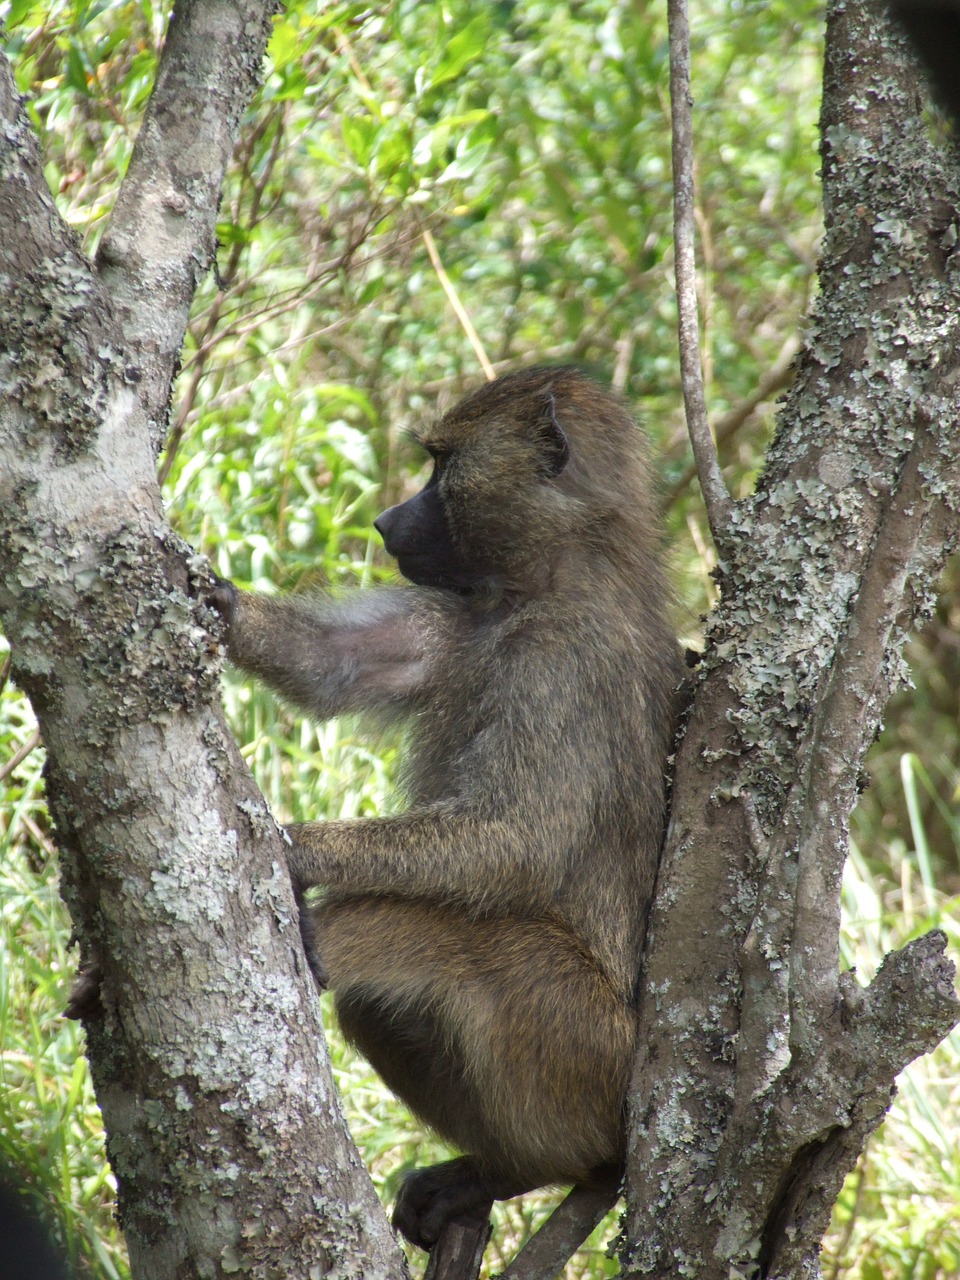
[{"x": 87, "y": 70}]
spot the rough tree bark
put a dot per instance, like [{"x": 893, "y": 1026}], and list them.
[
  {"x": 762, "y": 1070},
  {"x": 223, "y": 1124}
]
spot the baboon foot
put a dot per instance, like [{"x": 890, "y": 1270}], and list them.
[{"x": 430, "y": 1198}]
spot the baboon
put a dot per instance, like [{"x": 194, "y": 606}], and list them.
[{"x": 483, "y": 946}]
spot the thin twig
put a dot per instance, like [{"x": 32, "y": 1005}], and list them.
[
  {"x": 715, "y": 494},
  {"x": 458, "y": 307},
  {"x": 19, "y": 756},
  {"x": 779, "y": 376}
]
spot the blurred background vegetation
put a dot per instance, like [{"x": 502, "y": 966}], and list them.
[{"x": 420, "y": 188}]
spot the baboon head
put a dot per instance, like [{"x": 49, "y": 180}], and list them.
[{"x": 522, "y": 468}]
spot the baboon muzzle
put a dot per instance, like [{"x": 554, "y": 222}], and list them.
[{"x": 417, "y": 534}]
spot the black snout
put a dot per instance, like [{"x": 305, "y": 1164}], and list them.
[
  {"x": 382, "y": 524},
  {"x": 413, "y": 527},
  {"x": 417, "y": 533}
]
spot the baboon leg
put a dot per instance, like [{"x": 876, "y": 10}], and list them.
[
  {"x": 501, "y": 1034},
  {"x": 410, "y": 1055},
  {"x": 409, "y": 1051}
]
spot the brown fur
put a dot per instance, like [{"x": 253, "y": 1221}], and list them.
[{"x": 484, "y": 946}]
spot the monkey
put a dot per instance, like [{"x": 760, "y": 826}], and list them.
[{"x": 484, "y": 944}]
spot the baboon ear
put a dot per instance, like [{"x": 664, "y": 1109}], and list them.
[{"x": 550, "y": 438}]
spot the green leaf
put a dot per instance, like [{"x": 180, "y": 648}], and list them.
[
  {"x": 76, "y": 74},
  {"x": 19, "y": 11},
  {"x": 359, "y": 134},
  {"x": 394, "y": 153},
  {"x": 460, "y": 50},
  {"x": 230, "y": 233}
]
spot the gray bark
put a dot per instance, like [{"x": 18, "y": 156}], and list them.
[
  {"x": 762, "y": 1070},
  {"x": 223, "y": 1125}
]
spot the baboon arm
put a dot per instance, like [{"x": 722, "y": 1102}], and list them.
[
  {"x": 433, "y": 852},
  {"x": 369, "y": 651}
]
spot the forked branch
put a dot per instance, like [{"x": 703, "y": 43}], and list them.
[
  {"x": 459, "y": 1251},
  {"x": 161, "y": 237}
]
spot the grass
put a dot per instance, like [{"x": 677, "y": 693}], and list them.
[
  {"x": 51, "y": 1135},
  {"x": 899, "y": 1214}
]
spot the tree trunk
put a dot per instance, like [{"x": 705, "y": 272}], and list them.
[
  {"x": 762, "y": 1070},
  {"x": 223, "y": 1125}
]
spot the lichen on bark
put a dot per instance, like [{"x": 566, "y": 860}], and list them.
[
  {"x": 207, "y": 1049},
  {"x": 761, "y": 1070}
]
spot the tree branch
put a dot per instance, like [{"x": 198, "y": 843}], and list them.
[
  {"x": 160, "y": 239},
  {"x": 546, "y": 1253},
  {"x": 209, "y": 1057},
  {"x": 58, "y": 356},
  {"x": 715, "y": 493},
  {"x": 852, "y": 704},
  {"x": 458, "y": 1253},
  {"x": 868, "y": 1042},
  {"x": 758, "y": 1080}
]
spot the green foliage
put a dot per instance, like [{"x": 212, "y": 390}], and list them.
[
  {"x": 898, "y": 1214},
  {"x": 51, "y": 1135},
  {"x": 87, "y": 70},
  {"x": 529, "y": 138}
]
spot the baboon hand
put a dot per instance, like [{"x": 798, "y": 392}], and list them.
[
  {"x": 84, "y": 1002},
  {"x": 223, "y": 598}
]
